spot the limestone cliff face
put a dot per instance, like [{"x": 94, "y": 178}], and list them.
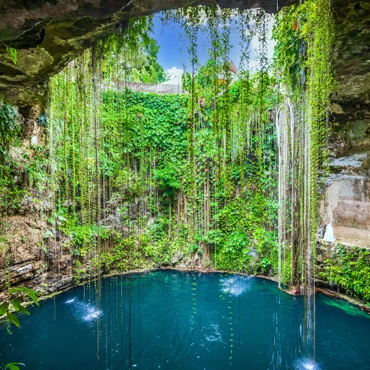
[
  {"x": 27, "y": 263},
  {"x": 347, "y": 200}
]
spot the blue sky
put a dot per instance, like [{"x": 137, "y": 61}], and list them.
[{"x": 173, "y": 50}]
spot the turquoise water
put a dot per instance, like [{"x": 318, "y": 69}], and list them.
[{"x": 171, "y": 320}]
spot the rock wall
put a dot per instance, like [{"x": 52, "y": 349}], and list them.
[
  {"x": 23, "y": 261},
  {"x": 26, "y": 263},
  {"x": 346, "y": 205},
  {"x": 347, "y": 209}
]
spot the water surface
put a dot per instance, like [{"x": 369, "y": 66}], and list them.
[{"x": 172, "y": 320}]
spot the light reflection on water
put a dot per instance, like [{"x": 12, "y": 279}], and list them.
[
  {"x": 83, "y": 311},
  {"x": 307, "y": 364},
  {"x": 235, "y": 285}
]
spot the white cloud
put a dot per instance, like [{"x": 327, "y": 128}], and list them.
[{"x": 174, "y": 72}]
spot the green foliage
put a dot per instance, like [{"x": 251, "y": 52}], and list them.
[
  {"x": 135, "y": 52},
  {"x": 9, "y": 129},
  {"x": 156, "y": 124},
  {"x": 24, "y": 168},
  {"x": 350, "y": 270},
  {"x": 42, "y": 120},
  {"x": 13, "y": 54},
  {"x": 174, "y": 159},
  {"x": 168, "y": 177},
  {"x": 7, "y": 307},
  {"x": 11, "y": 190},
  {"x": 289, "y": 51},
  {"x": 12, "y": 366},
  {"x": 15, "y": 305},
  {"x": 152, "y": 71}
]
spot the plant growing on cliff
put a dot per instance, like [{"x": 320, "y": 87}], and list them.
[
  {"x": 9, "y": 129},
  {"x": 176, "y": 160},
  {"x": 199, "y": 171},
  {"x": 13, "y": 54},
  {"x": 350, "y": 270}
]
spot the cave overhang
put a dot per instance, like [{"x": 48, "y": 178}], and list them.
[{"x": 47, "y": 34}]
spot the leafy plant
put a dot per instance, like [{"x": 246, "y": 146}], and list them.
[
  {"x": 12, "y": 366},
  {"x": 15, "y": 304},
  {"x": 13, "y": 54},
  {"x": 9, "y": 129}
]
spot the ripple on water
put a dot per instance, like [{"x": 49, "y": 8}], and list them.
[
  {"x": 82, "y": 311},
  {"x": 215, "y": 335}
]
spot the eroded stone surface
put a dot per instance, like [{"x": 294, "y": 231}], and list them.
[
  {"x": 347, "y": 199},
  {"x": 347, "y": 208},
  {"x": 351, "y": 61}
]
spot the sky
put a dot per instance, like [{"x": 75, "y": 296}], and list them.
[{"x": 173, "y": 51}]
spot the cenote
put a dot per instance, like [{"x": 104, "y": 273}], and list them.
[
  {"x": 178, "y": 320},
  {"x": 222, "y": 150}
]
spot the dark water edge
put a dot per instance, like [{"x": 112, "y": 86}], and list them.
[{"x": 185, "y": 320}]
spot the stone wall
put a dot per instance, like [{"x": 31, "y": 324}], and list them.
[{"x": 26, "y": 261}]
